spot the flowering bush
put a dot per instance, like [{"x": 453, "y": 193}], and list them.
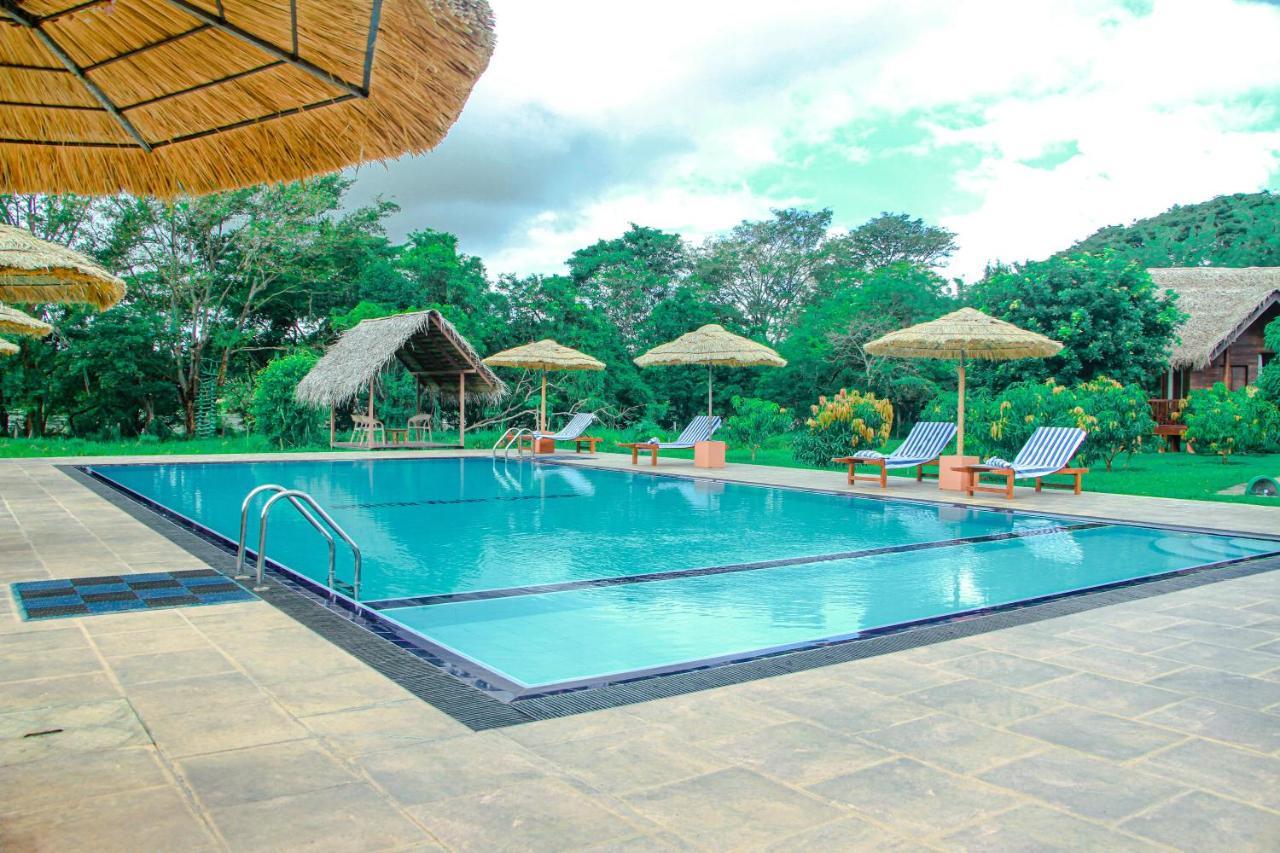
[
  {"x": 842, "y": 424},
  {"x": 1117, "y": 418},
  {"x": 1214, "y": 418}
]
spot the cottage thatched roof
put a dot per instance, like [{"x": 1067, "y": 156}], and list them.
[
  {"x": 1221, "y": 302},
  {"x": 424, "y": 342}
]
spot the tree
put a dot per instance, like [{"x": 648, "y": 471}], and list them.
[
  {"x": 276, "y": 413},
  {"x": 767, "y": 270},
  {"x": 627, "y": 276},
  {"x": 1110, "y": 317},
  {"x": 896, "y": 238},
  {"x": 754, "y": 422},
  {"x": 1269, "y": 377},
  {"x": 1215, "y": 419}
]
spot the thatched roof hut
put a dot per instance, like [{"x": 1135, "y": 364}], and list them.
[
  {"x": 1221, "y": 303},
  {"x": 426, "y": 344}
]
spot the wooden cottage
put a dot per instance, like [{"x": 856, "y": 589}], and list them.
[{"x": 1221, "y": 339}]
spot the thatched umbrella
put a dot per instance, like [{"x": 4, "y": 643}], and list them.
[
  {"x": 544, "y": 355},
  {"x": 171, "y": 97},
  {"x": 962, "y": 335},
  {"x": 711, "y": 345},
  {"x": 35, "y": 270},
  {"x": 7, "y": 348},
  {"x": 15, "y": 322}
]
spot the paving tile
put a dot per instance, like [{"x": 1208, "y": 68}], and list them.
[
  {"x": 797, "y": 753},
  {"x": 68, "y": 729},
  {"x": 358, "y": 688},
  {"x": 171, "y": 638},
  {"x": 641, "y": 760},
  {"x": 1219, "y": 721},
  {"x": 1224, "y": 686},
  {"x": 169, "y": 665},
  {"x": 936, "y": 653},
  {"x": 392, "y": 726},
  {"x": 848, "y": 710},
  {"x": 200, "y": 693},
  {"x": 731, "y": 808},
  {"x": 346, "y": 818},
  {"x": 1116, "y": 637},
  {"x": 201, "y": 730},
  {"x": 848, "y": 834},
  {"x": 1221, "y": 769},
  {"x": 543, "y": 814},
  {"x": 1036, "y": 641},
  {"x": 21, "y": 665},
  {"x": 910, "y": 795},
  {"x": 50, "y": 692},
  {"x": 56, "y": 638},
  {"x": 239, "y": 776},
  {"x": 45, "y": 783},
  {"x": 1204, "y": 612},
  {"x": 1008, "y": 670},
  {"x": 614, "y": 721},
  {"x": 1086, "y": 786},
  {"x": 152, "y": 819},
  {"x": 892, "y": 676},
  {"x": 429, "y": 772},
  {"x": 711, "y": 713},
  {"x": 112, "y": 623},
  {"x": 1201, "y": 821},
  {"x": 955, "y": 744},
  {"x": 1221, "y": 635},
  {"x": 1033, "y": 828},
  {"x": 1116, "y": 663},
  {"x": 982, "y": 702},
  {"x": 1110, "y": 695},
  {"x": 1103, "y": 735}
]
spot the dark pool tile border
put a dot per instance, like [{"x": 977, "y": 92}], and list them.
[{"x": 479, "y": 710}]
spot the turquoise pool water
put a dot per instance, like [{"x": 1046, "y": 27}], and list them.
[{"x": 553, "y": 575}]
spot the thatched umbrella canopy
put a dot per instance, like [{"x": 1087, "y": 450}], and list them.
[
  {"x": 961, "y": 335},
  {"x": 544, "y": 355},
  {"x": 711, "y": 345},
  {"x": 15, "y": 322},
  {"x": 170, "y": 97},
  {"x": 35, "y": 270},
  {"x": 7, "y": 348}
]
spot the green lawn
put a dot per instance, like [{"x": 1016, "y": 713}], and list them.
[{"x": 1170, "y": 475}]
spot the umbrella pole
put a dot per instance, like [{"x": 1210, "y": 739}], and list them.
[
  {"x": 960, "y": 412},
  {"x": 542, "y": 425},
  {"x": 708, "y": 390}
]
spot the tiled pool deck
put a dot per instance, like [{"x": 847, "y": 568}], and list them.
[{"x": 1151, "y": 724}]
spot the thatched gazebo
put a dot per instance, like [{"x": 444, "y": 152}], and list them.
[{"x": 425, "y": 343}]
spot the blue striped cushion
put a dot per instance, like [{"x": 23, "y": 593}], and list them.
[
  {"x": 868, "y": 454},
  {"x": 700, "y": 428},
  {"x": 1048, "y": 450},
  {"x": 925, "y": 441}
]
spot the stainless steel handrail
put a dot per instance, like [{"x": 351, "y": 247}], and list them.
[
  {"x": 294, "y": 496},
  {"x": 511, "y": 437},
  {"x": 244, "y": 523}
]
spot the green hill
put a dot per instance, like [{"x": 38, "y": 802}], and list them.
[{"x": 1241, "y": 230}]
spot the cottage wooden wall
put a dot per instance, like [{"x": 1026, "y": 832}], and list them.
[{"x": 1243, "y": 356}]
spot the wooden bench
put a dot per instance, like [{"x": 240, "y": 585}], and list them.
[
  {"x": 883, "y": 476},
  {"x": 972, "y": 483}
]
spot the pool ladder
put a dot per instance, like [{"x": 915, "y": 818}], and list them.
[
  {"x": 301, "y": 501},
  {"x": 508, "y": 439}
]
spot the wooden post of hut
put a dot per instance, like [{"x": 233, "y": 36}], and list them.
[
  {"x": 370, "y": 430},
  {"x": 462, "y": 410}
]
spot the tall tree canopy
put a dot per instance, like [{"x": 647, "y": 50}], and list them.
[
  {"x": 1110, "y": 317},
  {"x": 896, "y": 238}
]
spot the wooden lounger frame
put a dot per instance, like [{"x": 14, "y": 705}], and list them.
[
  {"x": 528, "y": 441},
  {"x": 883, "y": 476},
  {"x": 973, "y": 483}
]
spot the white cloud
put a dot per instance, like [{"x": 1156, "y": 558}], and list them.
[{"x": 668, "y": 113}]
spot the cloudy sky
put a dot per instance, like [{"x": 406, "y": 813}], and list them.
[{"x": 1022, "y": 125}]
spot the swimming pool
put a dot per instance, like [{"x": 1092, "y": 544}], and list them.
[{"x": 539, "y": 577}]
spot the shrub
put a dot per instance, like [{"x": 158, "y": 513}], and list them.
[
  {"x": 1025, "y": 406},
  {"x": 756, "y": 421},
  {"x": 1260, "y": 429},
  {"x": 1269, "y": 377},
  {"x": 841, "y": 424},
  {"x": 276, "y": 414},
  {"x": 1214, "y": 418},
  {"x": 1117, "y": 418}
]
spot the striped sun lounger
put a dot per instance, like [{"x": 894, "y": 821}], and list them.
[
  {"x": 699, "y": 429},
  {"x": 1048, "y": 451},
  {"x": 572, "y": 431},
  {"x": 923, "y": 445}
]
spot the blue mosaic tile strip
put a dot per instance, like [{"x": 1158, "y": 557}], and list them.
[{"x": 122, "y": 593}]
